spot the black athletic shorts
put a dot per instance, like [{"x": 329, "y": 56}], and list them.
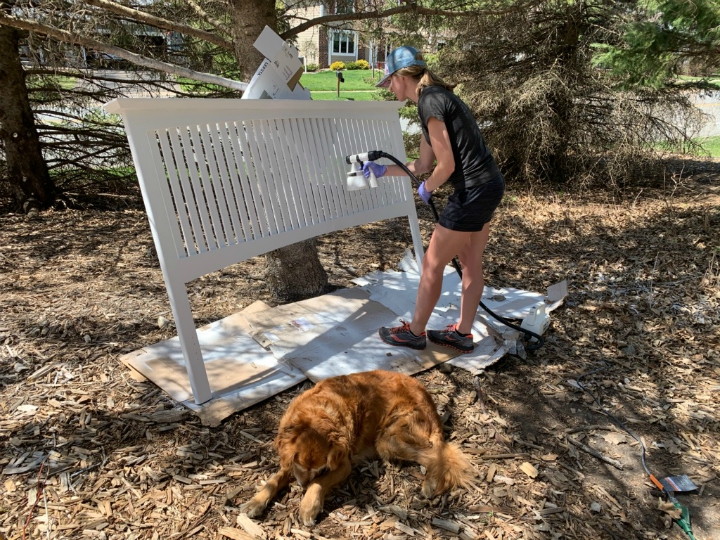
[{"x": 469, "y": 209}]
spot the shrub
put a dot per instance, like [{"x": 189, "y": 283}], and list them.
[
  {"x": 337, "y": 65},
  {"x": 312, "y": 67},
  {"x": 359, "y": 64}
]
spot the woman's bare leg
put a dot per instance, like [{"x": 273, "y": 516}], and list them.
[
  {"x": 473, "y": 281},
  {"x": 444, "y": 245}
]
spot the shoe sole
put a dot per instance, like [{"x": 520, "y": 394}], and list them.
[{"x": 446, "y": 344}]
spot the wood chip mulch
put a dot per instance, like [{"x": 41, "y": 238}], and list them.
[{"x": 90, "y": 450}]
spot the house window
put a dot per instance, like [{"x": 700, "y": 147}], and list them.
[
  {"x": 343, "y": 43},
  {"x": 344, "y": 6}
]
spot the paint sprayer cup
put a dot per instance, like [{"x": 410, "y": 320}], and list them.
[{"x": 355, "y": 177}]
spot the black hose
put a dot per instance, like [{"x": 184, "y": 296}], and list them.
[{"x": 377, "y": 154}]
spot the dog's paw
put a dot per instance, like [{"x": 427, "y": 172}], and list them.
[
  {"x": 310, "y": 507},
  {"x": 429, "y": 488},
  {"x": 253, "y": 508}
]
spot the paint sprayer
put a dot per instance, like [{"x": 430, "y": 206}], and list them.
[
  {"x": 534, "y": 325},
  {"x": 355, "y": 177}
]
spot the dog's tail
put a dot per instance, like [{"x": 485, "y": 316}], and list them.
[{"x": 450, "y": 469}]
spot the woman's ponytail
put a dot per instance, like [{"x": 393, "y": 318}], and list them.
[
  {"x": 425, "y": 77},
  {"x": 428, "y": 78}
]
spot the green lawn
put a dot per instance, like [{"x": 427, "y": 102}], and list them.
[
  {"x": 66, "y": 83},
  {"x": 344, "y": 96},
  {"x": 712, "y": 145},
  {"x": 357, "y": 79},
  {"x": 713, "y": 79}
]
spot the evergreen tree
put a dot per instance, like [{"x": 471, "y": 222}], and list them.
[
  {"x": 659, "y": 38},
  {"x": 549, "y": 113}
]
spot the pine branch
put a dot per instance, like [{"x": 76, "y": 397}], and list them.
[
  {"x": 405, "y": 8},
  {"x": 133, "y": 58},
  {"x": 204, "y": 15},
  {"x": 159, "y": 22}
]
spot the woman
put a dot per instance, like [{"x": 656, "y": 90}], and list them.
[{"x": 452, "y": 140}]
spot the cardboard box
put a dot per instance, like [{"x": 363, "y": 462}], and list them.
[
  {"x": 268, "y": 84},
  {"x": 282, "y": 55},
  {"x": 279, "y": 74}
]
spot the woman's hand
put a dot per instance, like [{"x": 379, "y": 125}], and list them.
[
  {"x": 375, "y": 168},
  {"x": 424, "y": 193}
]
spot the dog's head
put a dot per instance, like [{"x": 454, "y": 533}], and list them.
[{"x": 309, "y": 453}]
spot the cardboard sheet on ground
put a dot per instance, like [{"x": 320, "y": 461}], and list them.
[
  {"x": 240, "y": 371},
  {"x": 263, "y": 351},
  {"x": 336, "y": 334},
  {"x": 397, "y": 290}
]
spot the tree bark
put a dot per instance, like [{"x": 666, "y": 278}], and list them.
[
  {"x": 249, "y": 17},
  {"x": 294, "y": 272},
  {"x": 26, "y": 171}
]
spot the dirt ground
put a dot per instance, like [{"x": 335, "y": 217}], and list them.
[{"x": 88, "y": 451}]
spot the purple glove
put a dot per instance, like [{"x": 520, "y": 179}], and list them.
[
  {"x": 377, "y": 170},
  {"x": 424, "y": 193}
]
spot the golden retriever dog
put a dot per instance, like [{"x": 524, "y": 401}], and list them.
[{"x": 345, "y": 420}]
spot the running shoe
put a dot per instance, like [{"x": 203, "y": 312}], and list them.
[
  {"x": 401, "y": 336},
  {"x": 450, "y": 337}
]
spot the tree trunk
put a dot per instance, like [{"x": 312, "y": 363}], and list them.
[
  {"x": 293, "y": 272},
  {"x": 249, "y": 17},
  {"x": 26, "y": 171}
]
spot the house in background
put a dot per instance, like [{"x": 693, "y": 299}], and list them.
[{"x": 322, "y": 45}]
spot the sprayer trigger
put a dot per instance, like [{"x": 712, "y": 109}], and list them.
[{"x": 372, "y": 180}]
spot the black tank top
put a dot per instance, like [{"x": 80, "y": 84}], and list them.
[{"x": 474, "y": 164}]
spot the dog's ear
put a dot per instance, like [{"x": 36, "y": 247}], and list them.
[
  {"x": 337, "y": 454},
  {"x": 277, "y": 443},
  {"x": 286, "y": 434},
  {"x": 287, "y": 459}
]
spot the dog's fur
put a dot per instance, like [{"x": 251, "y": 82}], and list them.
[{"x": 345, "y": 420}]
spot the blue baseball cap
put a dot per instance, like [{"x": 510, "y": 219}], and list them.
[{"x": 400, "y": 58}]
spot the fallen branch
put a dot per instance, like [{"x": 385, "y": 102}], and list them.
[
  {"x": 447, "y": 525},
  {"x": 479, "y": 394},
  {"x": 595, "y": 453},
  {"x": 586, "y": 428},
  {"x": 506, "y": 456}
]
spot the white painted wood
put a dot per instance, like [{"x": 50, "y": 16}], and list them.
[{"x": 227, "y": 180}]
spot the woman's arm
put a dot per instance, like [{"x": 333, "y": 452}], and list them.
[
  {"x": 428, "y": 154},
  {"x": 427, "y": 158},
  {"x": 442, "y": 150},
  {"x": 418, "y": 166}
]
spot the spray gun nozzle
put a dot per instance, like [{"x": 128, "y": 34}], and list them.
[{"x": 372, "y": 155}]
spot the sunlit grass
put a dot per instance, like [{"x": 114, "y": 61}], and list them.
[
  {"x": 711, "y": 145},
  {"x": 704, "y": 147},
  {"x": 344, "y": 96},
  {"x": 713, "y": 79},
  {"x": 356, "y": 79}
]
